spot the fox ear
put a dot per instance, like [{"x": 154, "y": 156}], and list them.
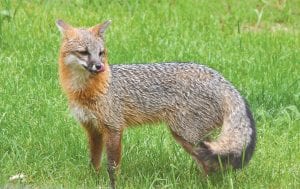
[
  {"x": 62, "y": 26},
  {"x": 100, "y": 28}
]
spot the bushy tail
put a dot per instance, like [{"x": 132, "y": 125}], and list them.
[{"x": 236, "y": 143}]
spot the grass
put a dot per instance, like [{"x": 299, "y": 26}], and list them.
[{"x": 254, "y": 44}]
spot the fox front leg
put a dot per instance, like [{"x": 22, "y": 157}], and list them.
[
  {"x": 95, "y": 139},
  {"x": 113, "y": 150}
]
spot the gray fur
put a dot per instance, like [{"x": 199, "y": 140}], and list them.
[{"x": 191, "y": 98}]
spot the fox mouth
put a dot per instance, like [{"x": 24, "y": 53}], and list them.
[{"x": 94, "y": 69}]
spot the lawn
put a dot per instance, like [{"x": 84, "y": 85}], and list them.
[{"x": 254, "y": 44}]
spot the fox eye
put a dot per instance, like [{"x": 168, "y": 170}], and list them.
[
  {"x": 83, "y": 53},
  {"x": 101, "y": 53}
]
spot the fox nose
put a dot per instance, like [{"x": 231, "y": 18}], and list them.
[{"x": 98, "y": 66}]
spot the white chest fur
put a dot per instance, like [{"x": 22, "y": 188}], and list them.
[{"x": 82, "y": 114}]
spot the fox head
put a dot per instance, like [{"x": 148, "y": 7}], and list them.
[
  {"x": 83, "y": 65},
  {"x": 83, "y": 49}
]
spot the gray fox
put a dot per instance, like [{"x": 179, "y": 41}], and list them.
[{"x": 190, "y": 98}]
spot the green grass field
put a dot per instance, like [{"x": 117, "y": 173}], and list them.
[{"x": 254, "y": 44}]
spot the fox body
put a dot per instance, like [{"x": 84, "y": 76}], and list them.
[{"x": 191, "y": 99}]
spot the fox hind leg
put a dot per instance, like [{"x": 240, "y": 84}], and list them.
[{"x": 189, "y": 148}]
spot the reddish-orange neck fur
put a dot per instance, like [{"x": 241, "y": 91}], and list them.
[{"x": 95, "y": 85}]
